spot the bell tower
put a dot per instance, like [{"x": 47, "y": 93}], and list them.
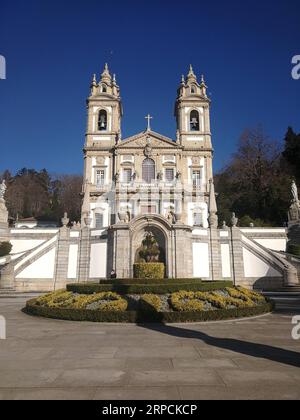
[
  {"x": 192, "y": 113},
  {"x": 104, "y": 111}
]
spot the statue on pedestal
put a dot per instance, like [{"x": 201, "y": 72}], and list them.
[
  {"x": 3, "y": 188},
  {"x": 3, "y": 209},
  {"x": 294, "y": 210}
]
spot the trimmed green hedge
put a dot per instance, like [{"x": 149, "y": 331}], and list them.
[
  {"x": 89, "y": 288},
  {"x": 5, "y": 248},
  {"x": 150, "y": 281},
  {"x": 149, "y": 270},
  {"x": 151, "y": 316},
  {"x": 293, "y": 249}
]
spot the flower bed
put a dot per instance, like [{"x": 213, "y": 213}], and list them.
[{"x": 182, "y": 306}]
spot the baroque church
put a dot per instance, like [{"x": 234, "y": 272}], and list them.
[
  {"x": 148, "y": 180},
  {"x": 147, "y": 183}
]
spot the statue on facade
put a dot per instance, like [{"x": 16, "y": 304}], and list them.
[
  {"x": 294, "y": 210},
  {"x": 234, "y": 220},
  {"x": 295, "y": 192},
  {"x": 3, "y": 188}
]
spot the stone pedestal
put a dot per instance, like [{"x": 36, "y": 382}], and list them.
[
  {"x": 7, "y": 275},
  {"x": 237, "y": 256},
  {"x": 215, "y": 254}
]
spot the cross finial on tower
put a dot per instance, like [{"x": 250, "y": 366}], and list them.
[{"x": 149, "y": 118}]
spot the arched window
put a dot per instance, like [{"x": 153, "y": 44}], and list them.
[
  {"x": 148, "y": 170},
  {"x": 103, "y": 89},
  {"x": 194, "y": 121},
  {"x": 193, "y": 89},
  {"x": 102, "y": 120}
]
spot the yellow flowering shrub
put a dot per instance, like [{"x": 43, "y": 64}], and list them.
[
  {"x": 186, "y": 301},
  {"x": 150, "y": 301},
  {"x": 195, "y": 301},
  {"x": 108, "y": 301}
]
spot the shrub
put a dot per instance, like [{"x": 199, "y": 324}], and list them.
[
  {"x": 108, "y": 301},
  {"x": 195, "y": 301},
  {"x": 186, "y": 301},
  {"x": 132, "y": 316},
  {"x": 149, "y": 270},
  {"x": 55, "y": 299},
  {"x": 150, "y": 302},
  {"x": 293, "y": 249},
  {"x": 90, "y": 288},
  {"x": 5, "y": 248}
]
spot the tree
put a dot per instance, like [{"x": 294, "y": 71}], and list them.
[
  {"x": 291, "y": 154},
  {"x": 253, "y": 183},
  {"x": 37, "y": 194}
]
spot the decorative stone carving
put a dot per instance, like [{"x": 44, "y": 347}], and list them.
[
  {"x": 148, "y": 148},
  {"x": 195, "y": 160},
  {"x": 171, "y": 217},
  {"x": 160, "y": 176},
  {"x": 124, "y": 216},
  {"x": 100, "y": 160},
  {"x": 178, "y": 175}
]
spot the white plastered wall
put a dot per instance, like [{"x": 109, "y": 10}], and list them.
[
  {"x": 200, "y": 260},
  {"x": 98, "y": 259}
]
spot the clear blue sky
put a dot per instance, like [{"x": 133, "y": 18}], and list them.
[{"x": 52, "y": 48}]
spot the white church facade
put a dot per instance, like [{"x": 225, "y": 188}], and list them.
[{"x": 147, "y": 182}]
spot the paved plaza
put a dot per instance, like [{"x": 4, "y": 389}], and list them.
[{"x": 52, "y": 359}]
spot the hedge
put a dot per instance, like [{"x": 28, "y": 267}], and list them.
[
  {"x": 89, "y": 288},
  {"x": 5, "y": 248},
  {"x": 150, "y": 281},
  {"x": 293, "y": 249},
  {"x": 139, "y": 316},
  {"x": 150, "y": 303},
  {"x": 149, "y": 270}
]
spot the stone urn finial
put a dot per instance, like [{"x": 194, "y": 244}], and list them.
[
  {"x": 65, "y": 220},
  {"x": 234, "y": 220}
]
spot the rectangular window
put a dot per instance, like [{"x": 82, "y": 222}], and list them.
[
  {"x": 146, "y": 209},
  {"x": 98, "y": 220},
  {"x": 169, "y": 175},
  {"x": 196, "y": 176},
  {"x": 198, "y": 219},
  {"x": 100, "y": 177},
  {"x": 127, "y": 175}
]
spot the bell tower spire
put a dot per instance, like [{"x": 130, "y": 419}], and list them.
[{"x": 192, "y": 112}]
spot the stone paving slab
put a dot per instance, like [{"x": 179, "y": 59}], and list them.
[{"x": 53, "y": 359}]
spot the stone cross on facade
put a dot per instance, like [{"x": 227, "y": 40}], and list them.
[{"x": 149, "y": 118}]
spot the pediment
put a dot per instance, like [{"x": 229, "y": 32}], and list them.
[{"x": 141, "y": 140}]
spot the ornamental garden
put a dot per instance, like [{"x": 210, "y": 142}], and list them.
[{"x": 149, "y": 297}]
